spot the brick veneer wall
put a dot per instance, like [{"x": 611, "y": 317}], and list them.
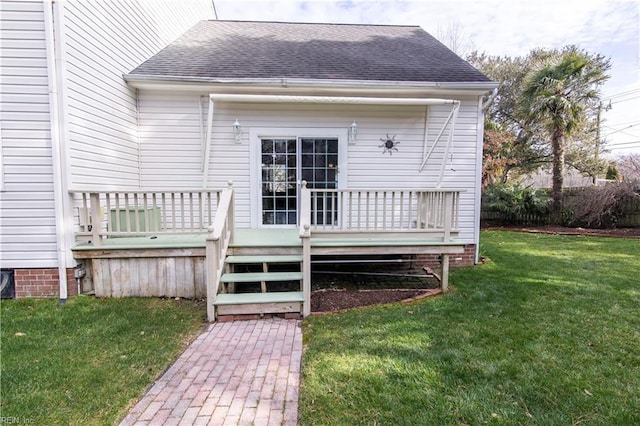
[
  {"x": 455, "y": 260},
  {"x": 42, "y": 283}
]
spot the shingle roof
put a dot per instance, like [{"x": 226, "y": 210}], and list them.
[{"x": 259, "y": 50}]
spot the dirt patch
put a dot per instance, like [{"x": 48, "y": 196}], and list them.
[
  {"x": 335, "y": 300},
  {"x": 561, "y": 230}
]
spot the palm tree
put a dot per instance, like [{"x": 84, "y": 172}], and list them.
[{"x": 559, "y": 94}]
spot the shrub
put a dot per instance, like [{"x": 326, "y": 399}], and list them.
[
  {"x": 514, "y": 201},
  {"x": 598, "y": 206}
]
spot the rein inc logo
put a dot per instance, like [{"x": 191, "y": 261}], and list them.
[{"x": 16, "y": 420}]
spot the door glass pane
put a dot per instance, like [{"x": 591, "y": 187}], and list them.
[
  {"x": 319, "y": 167},
  {"x": 279, "y": 176}
]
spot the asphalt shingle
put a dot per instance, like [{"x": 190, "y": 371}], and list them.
[{"x": 257, "y": 50}]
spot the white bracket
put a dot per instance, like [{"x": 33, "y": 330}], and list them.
[{"x": 451, "y": 123}]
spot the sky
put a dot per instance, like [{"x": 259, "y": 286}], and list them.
[{"x": 503, "y": 28}]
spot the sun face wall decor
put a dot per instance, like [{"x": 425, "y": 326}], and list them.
[{"x": 389, "y": 144}]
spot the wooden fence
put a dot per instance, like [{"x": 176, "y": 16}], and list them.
[{"x": 630, "y": 217}]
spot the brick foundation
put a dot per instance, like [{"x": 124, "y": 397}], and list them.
[
  {"x": 455, "y": 260},
  {"x": 42, "y": 282}
]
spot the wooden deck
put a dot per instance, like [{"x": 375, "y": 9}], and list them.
[
  {"x": 184, "y": 243},
  {"x": 175, "y": 265}
]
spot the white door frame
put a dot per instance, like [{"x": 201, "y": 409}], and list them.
[{"x": 255, "y": 176}]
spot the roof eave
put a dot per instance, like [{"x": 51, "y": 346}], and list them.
[{"x": 139, "y": 81}]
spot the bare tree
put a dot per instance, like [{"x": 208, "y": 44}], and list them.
[
  {"x": 456, "y": 38},
  {"x": 629, "y": 167}
]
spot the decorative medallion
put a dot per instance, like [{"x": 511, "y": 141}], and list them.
[{"x": 389, "y": 144}]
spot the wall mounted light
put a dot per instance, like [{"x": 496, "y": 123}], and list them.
[
  {"x": 237, "y": 131},
  {"x": 353, "y": 132}
]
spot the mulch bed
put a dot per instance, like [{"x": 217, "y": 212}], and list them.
[{"x": 336, "y": 300}]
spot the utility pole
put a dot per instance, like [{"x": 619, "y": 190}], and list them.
[
  {"x": 595, "y": 178},
  {"x": 596, "y": 154}
]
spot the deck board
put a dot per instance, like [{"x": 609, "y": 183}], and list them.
[
  {"x": 250, "y": 277},
  {"x": 250, "y": 298},
  {"x": 269, "y": 237}
]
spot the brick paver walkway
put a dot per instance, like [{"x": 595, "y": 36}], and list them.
[{"x": 235, "y": 373}]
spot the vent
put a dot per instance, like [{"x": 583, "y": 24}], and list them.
[{"x": 7, "y": 284}]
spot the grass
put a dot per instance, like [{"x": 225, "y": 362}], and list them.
[
  {"x": 546, "y": 332},
  {"x": 85, "y": 362}
]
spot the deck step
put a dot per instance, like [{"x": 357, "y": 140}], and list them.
[
  {"x": 248, "y": 277},
  {"x": 263, "y": 259},
  {"x": 259, "y": 298}
]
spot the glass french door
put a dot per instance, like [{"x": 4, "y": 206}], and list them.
[{"x": 285, "y": 163}]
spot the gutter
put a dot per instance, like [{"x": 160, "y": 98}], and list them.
[
  {"x": 161, "y": 81},
  {"x": 331, "y": 99}
]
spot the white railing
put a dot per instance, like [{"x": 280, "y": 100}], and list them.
[
  {"x": 382, "y": 210},
  {"x": 218, "y": 240},
  {"x": 127, "y": 213},
  {"x": 305, "y": 237}
]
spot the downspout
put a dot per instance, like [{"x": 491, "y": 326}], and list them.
[
  {"x": 489, "y": 100},
  {"x": 58, "y": 147},
  {"x": 478, "y": 190},
  {"x": 482, "y": 106}
]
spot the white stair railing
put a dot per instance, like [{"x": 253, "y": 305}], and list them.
[
  {"x": 305, "y": 236},
  {"x": 218, "y": 240}
]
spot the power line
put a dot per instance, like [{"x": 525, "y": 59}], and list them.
[
  {"x": 622, "y": 94},
  {"x": 619, "y": 130},
  {"x": 614, "y": 124},
  {"x": 623, "y": 143},
  {"x": 624, "y": 100}
]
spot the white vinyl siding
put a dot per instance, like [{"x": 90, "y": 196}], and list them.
[
  {"x": 170, "y": 141},
  {"x": 171, "y": 146},
  {"x": 103, "y": 41},
  {"x": 27, "y": 218}
]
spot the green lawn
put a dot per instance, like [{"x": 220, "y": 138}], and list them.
[
  {"x": 84, "y": 362},
  {"x": 547, "y": 332}
]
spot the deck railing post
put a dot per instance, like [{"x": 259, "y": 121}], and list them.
[
  {"x": 448, "y": 215},
  {"x": 305, "y": 236},
  {"x": 96, "y": 219},
  {"x": 220, "y": 233},
  {"x": 213, "y": 264},
  {"x": 306, "y": 271}
]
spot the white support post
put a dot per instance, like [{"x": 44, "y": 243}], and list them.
[
  {"x": 96, "y": 219},
  {"x": 444, "y": 283},
  {"x": 212, "y": 262},
  {"x": 306, "y": 271},
  {"x": 305, "y": 236}
]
